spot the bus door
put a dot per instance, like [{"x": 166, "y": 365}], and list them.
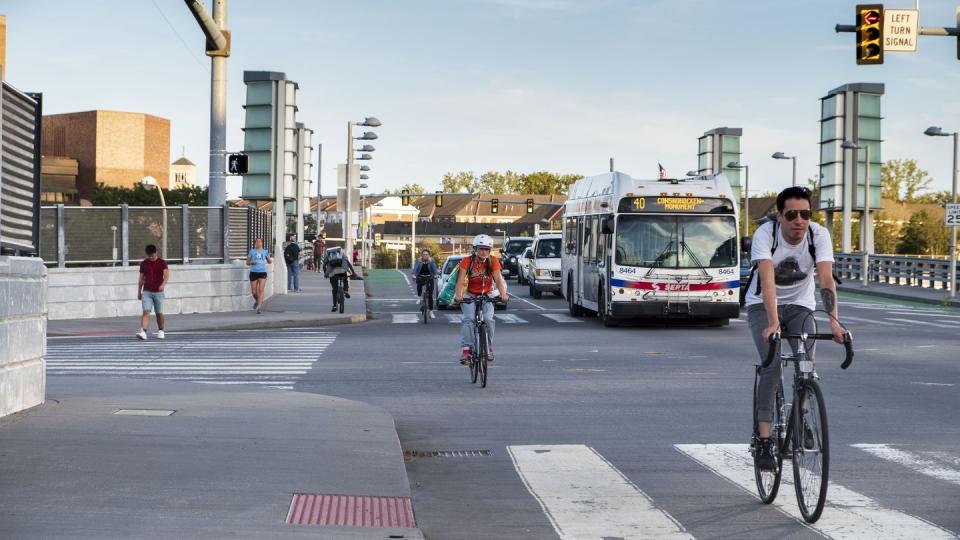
[{"x": 589, "y": 257}]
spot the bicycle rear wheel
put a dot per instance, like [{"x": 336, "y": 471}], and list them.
[
  {"x": 340, "y": 299},
  {"x": 482, "y": 358},
  {"x": 768, "y": 482},
  {"x": 811, "y": 450},
  {"x": 423, "y": 306}
]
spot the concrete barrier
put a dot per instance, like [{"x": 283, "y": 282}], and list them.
[
  {"x": 86, "y": 293},
  {"x": 23, "y": 333}
]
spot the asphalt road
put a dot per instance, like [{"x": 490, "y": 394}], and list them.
[
  {"x": 631, "y": 432},
  {"x": 641, "y": 416}
]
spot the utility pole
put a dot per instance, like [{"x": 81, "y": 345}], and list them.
[{"x": 218, "y": 49}]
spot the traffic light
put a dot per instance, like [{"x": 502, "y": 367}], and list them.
[
  {"x": 529, "y": 206},
  {"x": 405, "y": 197},
  {"x": 494, "y": 206},
  {"x": 869, "y": 34},
  {"x": 438, "y": 199}
]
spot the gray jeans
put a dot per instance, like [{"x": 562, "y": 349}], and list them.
[
  {"x": 466, "y": 324},
  {"x": 795, "y": 320}
]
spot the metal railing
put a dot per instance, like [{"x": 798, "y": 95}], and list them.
[
  {"x": 112, "y": 235},
  {"x": 895, "y": 270}
]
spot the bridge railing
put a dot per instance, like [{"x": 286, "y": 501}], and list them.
[{"x": 895, "y": 270}]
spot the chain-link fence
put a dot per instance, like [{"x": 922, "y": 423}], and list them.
[
  {"x": 246, "y": 225},
  {"x": 118, "y": 235}
]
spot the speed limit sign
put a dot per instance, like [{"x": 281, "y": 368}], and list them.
[{"x": 952, "y": 218}]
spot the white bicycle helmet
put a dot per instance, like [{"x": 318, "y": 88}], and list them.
[{"x": 482, "y": 240}]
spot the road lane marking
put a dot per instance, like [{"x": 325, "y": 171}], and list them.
[
  {"x": 509, "y": 318},
  {"x": 529, "y": 302},
  {"x": 453, "y": 318},
  {"x": 913, "y": 461},
  {"x": 584, "y": 496},
  {"x": 925, "y": 323},
  {"x": 847, "y": 514},
  {"x": 405, "y": 278},
  {"x": 868, "y": 321},
  {"x": 406, "y": 318},
  {"x": 562, "y": 318},
  {"x": 933, "y": 383}
]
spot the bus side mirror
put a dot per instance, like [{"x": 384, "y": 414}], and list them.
[
  {"x": 606, "y": 225},
  {"x": 745, "y": 244}
]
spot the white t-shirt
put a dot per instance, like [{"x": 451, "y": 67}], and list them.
[{"x": 792, "y": 265}]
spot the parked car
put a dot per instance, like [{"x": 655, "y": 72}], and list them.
[
  {"x": 745, "y": 267},
  {"x": 511, "y": 251},
  {"x": 523, "y": 266},
  {"x": 544, "y": 273},
  {"x": 448, "y": 267}
]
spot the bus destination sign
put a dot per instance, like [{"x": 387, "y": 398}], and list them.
[{"x": 675, "y": 203}]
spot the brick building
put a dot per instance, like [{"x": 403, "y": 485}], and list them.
[{"x": 112, "y": 148}]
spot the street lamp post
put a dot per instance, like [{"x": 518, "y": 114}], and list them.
[
  {"x": 367, "y": 136},
  {"x": 781, "y": 155},
  {"x": 148, "y": 182},
  {"x": 503, "y": 242},
  {"x": 865, "y": 228},
  {"x": 746, "y": 195},
  {"x": 938, "y": 132}
]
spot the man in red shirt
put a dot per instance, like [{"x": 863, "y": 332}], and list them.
[
  {"x": 483, "y": 268},
  {"x": 154, "y": 274}
]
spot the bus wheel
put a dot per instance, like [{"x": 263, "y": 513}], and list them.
[{"x": 575, "y": 309}]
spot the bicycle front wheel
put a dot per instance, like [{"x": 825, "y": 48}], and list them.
[
  {"x": 423, "y": 308},
  {"x": 768, "y": 482},
  {"x": 811, "y": 450},
  {"x": 482, "y": 358}
]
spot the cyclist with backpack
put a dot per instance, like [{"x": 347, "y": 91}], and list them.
[
  {"x": 475, "y": 278},
  {"x": 425, "y": 272},
  {"x": 337, "y": 268},
  {"x": 291, "y": 256},
  {"x": 780, "y": 291}
]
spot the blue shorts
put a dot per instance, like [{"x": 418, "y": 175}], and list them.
[{"x": 152, "y": 301}]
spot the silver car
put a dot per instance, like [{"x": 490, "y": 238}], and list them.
[{"x": 523, "y": 264}]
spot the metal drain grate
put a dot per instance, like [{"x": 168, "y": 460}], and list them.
[
  {"x": 409, "y": 454},
  {"x": 144, "y": 412},
  {"x": 350, "y": 511}
]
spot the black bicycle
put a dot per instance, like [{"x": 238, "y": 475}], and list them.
[
  {"x": 798, "y": 430},
  {"x": 479, "y": 353},
  {"x": 426, "y": 296},
  {"x": 341, "y": 284}
]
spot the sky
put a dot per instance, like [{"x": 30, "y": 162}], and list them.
[{"x": 524, "y": 85}]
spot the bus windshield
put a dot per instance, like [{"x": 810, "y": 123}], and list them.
[{"x": 676, "y": 241}]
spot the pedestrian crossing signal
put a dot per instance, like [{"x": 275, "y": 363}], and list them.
[
  {"x": 237, "y": 164},
  {"x": 494, "y": 206},
  {"x": 869, "y": 34},
  {"x": 529, "y": 206},
  {"x": 405, "y": 197}
]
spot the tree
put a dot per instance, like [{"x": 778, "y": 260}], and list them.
[
  {"x": 923, "y": 235},
  {"x": 902, "y": 180},
  {"x": 414, "y": 189},
  {"x": 138, "y": 195},
  {"x": 546, "y": 183},
  {"x": 937, "y": 197},
  {"x": 886, "y": 234},
  {"x": 462, "y": 182}
]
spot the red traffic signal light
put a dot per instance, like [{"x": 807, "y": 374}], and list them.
[
  {"x": 494, "y": 206},
  {"x": 529, "y": 206},
  {"x": 869, "y": 34}
]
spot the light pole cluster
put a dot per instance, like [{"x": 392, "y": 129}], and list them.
[
  {"x": 781, "y": 155},
  {"x": 348, "y": 233},
  {"x": 938, "y": 132}
]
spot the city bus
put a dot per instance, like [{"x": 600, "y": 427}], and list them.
[{"x": 651, "y": 249}]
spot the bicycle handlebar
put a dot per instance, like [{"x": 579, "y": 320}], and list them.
[{"x": 775, "y": 340}]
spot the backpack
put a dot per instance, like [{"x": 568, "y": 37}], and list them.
[
  {"x": 288, "y": 254},
  {"x": 811, "y": 247}
]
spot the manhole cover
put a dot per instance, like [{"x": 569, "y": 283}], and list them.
[{"x": 144, "y": 412}]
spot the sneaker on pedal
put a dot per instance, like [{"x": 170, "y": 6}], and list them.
[
  {"x": 766, "y": 459},
  {"x": 465, "y": 356}
]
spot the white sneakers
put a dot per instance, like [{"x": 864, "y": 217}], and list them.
[{"x": 142, "y": 335}]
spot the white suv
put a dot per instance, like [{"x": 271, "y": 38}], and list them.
[{"x": 544, "y": 273}]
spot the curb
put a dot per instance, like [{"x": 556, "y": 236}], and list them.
[
  {"x": 288, "y": 323},
  {"x": 902, "y": 298}
]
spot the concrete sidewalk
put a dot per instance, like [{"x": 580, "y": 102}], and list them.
[
  {"x": 308, "y": 308},
  {"x": 226, "y": 464},
  {"x": 903, "y": 293}
]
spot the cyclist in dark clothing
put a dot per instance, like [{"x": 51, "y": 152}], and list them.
[
  {"x": 425, "y": 271},
  {"x": 337, "y": 268}
]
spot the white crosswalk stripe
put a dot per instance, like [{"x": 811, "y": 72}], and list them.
[
  {"x": 406, "y": 318},
  {"x": 851, "y": 514},
  {"x": 562, "y": 318},
  {"x": 933, "y": 464},
  {"x": 274, "y": 358},
  {"x": 584, "y": 496},
  {"x": 509, "y": 318}
]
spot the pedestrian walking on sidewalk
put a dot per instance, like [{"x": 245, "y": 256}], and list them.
[
  {"x": 154, "y": 274},
  {"x": 291, "y": 256},
  {"x": 319, "y": 245},
  {"x": 257, "y": 260}
]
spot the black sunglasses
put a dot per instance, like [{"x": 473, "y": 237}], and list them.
[{"x": 791, "y": 215}]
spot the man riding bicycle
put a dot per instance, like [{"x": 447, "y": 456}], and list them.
[
  {"x": 337, "y": 268},
  {"x": 786, "y": 251},
  {"x": 425, "y": 271},
  {"x": 475, "y": 278}
]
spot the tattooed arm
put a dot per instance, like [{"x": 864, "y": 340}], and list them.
[{"x": 828, "y": 293}]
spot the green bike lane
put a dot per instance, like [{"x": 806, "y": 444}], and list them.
[{"x": 390, "y": 291}]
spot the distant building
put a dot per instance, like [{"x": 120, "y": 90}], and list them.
[
  {"x": 112, "y": 148},
  {"x": 58, "y": 180},
  {"x": 182, "y": 172}
]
